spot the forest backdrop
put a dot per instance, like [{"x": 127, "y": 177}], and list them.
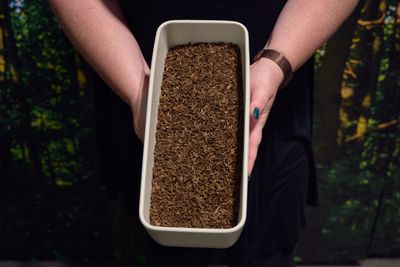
[{"x": 53, "y": 208}]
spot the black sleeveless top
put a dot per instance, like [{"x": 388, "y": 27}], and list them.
[{"x": 291, "y": 114}]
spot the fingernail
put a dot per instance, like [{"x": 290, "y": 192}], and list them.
[{"x": 256, "y": 113}]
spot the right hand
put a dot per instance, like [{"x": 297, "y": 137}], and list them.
[
  {"x": 265, "y": 79},
  {"x": 138, "y": 104}
]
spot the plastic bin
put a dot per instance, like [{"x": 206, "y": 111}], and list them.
[{"x": 169, "y": 34}]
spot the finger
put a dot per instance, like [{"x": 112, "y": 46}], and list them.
[
  {"x": 256, "y": 129},
  {"x": 261, "y": 105},
  {"x": 262, "y": 118},
  {"x": 259, "y": 101},
  {"x": 254, "y": 142}
]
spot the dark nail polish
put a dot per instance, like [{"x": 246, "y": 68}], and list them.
[{"x": 256, "y": 113}]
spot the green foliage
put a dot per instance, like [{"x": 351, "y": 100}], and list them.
[
  {"x": 360, "y": 187},
  {"x": 46, "y": 111},
  {"x": 350, "y": 201},
  {"x": 46, "y": 130}
]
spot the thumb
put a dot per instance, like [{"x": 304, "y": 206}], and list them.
[{"x": 258, "y": 117}]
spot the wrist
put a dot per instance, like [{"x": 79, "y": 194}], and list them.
[
  {"x": 275, "y": 74},
  {"x": 279, "y": 60},
  {"x": 139, "y": 88}
]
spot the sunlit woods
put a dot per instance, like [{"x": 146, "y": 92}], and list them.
[
  {"x": 50, "y": 208},
  {"x": 45, "y": 109},
  {"x": 47, "y": 135},
  {"x": 9, "y": 80},
  {"x": 358, "y": 133}
]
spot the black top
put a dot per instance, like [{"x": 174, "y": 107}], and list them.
[
  {"x": 284, "y": 172},
  {"x": 258, "y": 16},
  {"x": 290, "y": 116},
  {"x": 291, "y": 112}
]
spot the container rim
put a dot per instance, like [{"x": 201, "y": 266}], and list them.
[
  {"x": 200, "y": 21},
  {"x": 243, "y": 216}
]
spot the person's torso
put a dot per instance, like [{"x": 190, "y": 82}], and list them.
[
  {"x": 258, "y": 16},
  {"x": 291, "y": 111},
  {"x": 290, "y": 116}
]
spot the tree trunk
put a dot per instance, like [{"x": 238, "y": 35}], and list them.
[
  {"x": 328, "y": 84},
  {"x": 327, "y": 102}
]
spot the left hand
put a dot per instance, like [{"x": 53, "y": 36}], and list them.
[
  {"x": 138, "y": 103},
  {"x": 265, "y": 79}
]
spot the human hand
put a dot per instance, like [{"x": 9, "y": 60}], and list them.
[
  {"x": 138, "y": 104},
  {"x": 265, "y": 79}
]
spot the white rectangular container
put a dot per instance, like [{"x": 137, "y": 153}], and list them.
[{"x": 169, "y": 34}]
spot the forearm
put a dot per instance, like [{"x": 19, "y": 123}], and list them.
[
  {"x": 304, "y": 25},
  {"x": 98, "y": 31}
]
